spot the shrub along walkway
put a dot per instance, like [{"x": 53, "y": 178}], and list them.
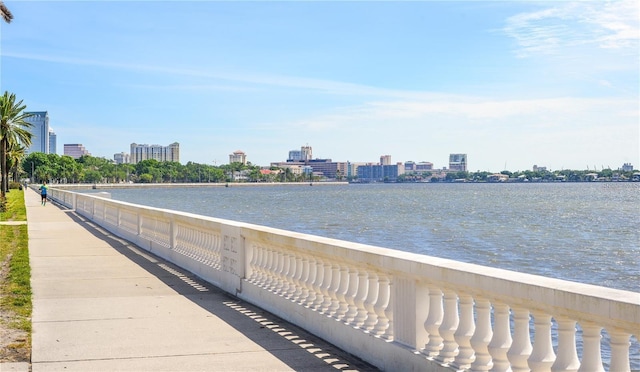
[{"x": 102, "y": 304}]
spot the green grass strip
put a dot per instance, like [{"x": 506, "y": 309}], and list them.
[
  {"x": 15, "y": 285},
  {"x": 16, "y": 209}
]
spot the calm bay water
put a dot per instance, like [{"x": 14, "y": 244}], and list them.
[{"x": 584, "y": 232}]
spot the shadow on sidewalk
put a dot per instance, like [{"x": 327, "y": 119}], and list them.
[{"x": 292, "y": 345}]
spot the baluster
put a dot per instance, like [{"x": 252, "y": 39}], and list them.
[
  {"x": 384, "y": 295},
  {"x": 218, "y": 249},
  {"x": 482, "y": 337},
  {"x": 305, "y": 280},
  {"x": 317, "y": 285},
  {"x": 311, "y": 293},
  {"x": 342, "y": 292},
  {"x": 278, "y": 272},
  {"x": 211, "y": 251},
  {"x": 433, "y": 322},
  {"x": 288, "y": 275},
  {"x": 297, "y": 279},
  {"x": 260, "y": 264},
  {"x": 268, "y": 273},
  {"x": 389, "y": 332},
  {"x": 448, "y": 327},
  {"x": 463, "y": 334},
  {"x": 619, "y": 351},
  {"x": 542, "y": 356},
  {"x": 250, "y": 262},
  {"x": 327, "y": 295},
  {"x": 201, "y": 251},
  {"x": 196, "y": 252},
  {"x": 521, "y": 347},
  {"x": 352, "y": 309},
  {"x": 361, "y": 296},
  {"x": 567, "y": 359},
  {"x": 591, "y": 357},
  {"x": 333, "y": 289},
  {"x": 372, "y": 297},
  {"x": 501, "y": 340}
]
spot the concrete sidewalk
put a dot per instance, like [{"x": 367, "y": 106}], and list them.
[{"x": 102, "y": 304}]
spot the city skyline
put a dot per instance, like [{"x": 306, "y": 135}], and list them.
[{"x": 512, "y": 84}]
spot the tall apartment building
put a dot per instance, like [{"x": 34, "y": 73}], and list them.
[
  {"x": 301, "y": 156},
  {"x": 458, "y": 162},
  {"x": 306, "y": 153},
  {"x": 160, "y": 153},
  {"x": 75, "y": 150},
  {"x": 39, "y": 132},
  {"x": 122, "y": 158},
  {"x": 378, "y": 173},
  {"x": 295, "y": 156},
  {"x": 385, "y": 160},
  {"x": 53, "y": 142},
  {"x": 238, "y": 157}
]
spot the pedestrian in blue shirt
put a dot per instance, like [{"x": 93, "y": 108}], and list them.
[{"x": 43, "y": 193}]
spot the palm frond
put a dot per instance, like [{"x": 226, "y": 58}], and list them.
[{"x": 6, "y": 14}]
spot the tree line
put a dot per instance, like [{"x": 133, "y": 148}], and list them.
[{"x": 54, "y": 168}]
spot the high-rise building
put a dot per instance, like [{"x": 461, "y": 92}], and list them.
[
  {"x": 306, "y": 153},
  {"x": 40, "y": 132},
  {"x": 122, "y": 158},
  {"x": 378, "y": 173},
  {"x": 160, "y": 153},
  {"x": 238, "y": 157},
  {"x": 75, "y": 150},
  {"x": 385, "y": 160},
  {"x": 53, "y": 142},
  {"x": 295, "y": 155},
  {"x": 458, "y": 162}
]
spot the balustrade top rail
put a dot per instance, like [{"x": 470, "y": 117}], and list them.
[{"x": 408, "y": 311}]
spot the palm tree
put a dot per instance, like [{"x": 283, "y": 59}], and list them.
[
  {"x": 15, "y": 154},
  {"x": 6, "y": 14},
  {"x": 14, "y": 129}
]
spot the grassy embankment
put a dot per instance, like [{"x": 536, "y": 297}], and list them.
[{"x": 15, "y": 287}]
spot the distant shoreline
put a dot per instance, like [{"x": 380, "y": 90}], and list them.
[{"x": 100, "y": 186}]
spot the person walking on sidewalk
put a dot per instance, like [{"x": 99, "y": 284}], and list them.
[{"x": 43, "y": 193}]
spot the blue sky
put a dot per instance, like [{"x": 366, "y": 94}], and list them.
[{"x": 510, "y": 83}]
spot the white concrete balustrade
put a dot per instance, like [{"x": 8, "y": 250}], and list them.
[{"x": 397, "y": 310}]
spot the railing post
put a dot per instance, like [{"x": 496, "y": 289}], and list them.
[
  {"x": 567, "y": 359},
  {"x": 448, "y": 327},
  {"x": 591, "y": 358},
  {"x": 334, "y": 290},
  {"x": 482, "y": 337},
  {"x": 619, "y": 342},
  {"x": 317, "y": 285},
  {"x": 542, "y": 356},
  {"x": 466, "y": 329},
  {"x": 361, "y": 296},
  {"x": 501, "y": 341},
  {"x": 350, "y": 297},
  {"x": 173, "y": 230},
  {"x": 311, "y": 283},
  {"x": 342, "y": 293},
  {"x": 521, "y": 347},
  {"x": 327, "y": 295},
  {"x": 381, "y": 306},
  {"x": 372, "y": 298},
  {"x": 434, "y": 320},
  {"x": 305, "y": 280}
]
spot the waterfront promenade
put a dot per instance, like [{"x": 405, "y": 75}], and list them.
[{"x": 102, "y": 304}]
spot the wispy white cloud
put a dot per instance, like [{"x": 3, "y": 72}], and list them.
[
  {"x": 474, "y": 111},
  {"x": 246, "y": 78},
  {"x": 613, "y": 25}
]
